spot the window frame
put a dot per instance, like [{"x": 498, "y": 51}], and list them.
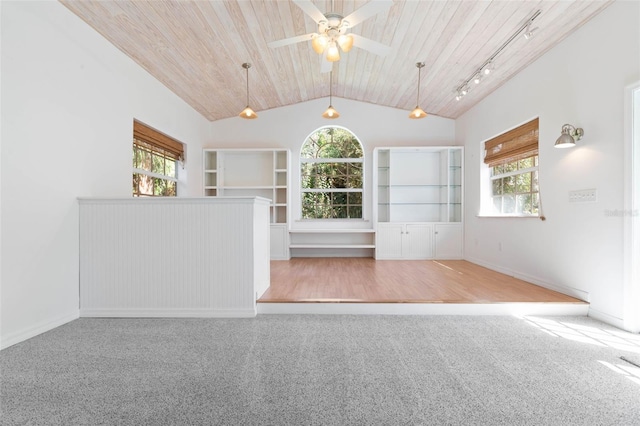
[
  {"x": 347, "y": 190},
  {"x": 147, "y": 139},
  {"x": 515, "y": 173},
  {"x": 518, "y": 143}
]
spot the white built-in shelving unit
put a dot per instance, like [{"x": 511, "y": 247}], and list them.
[
  {"x": 418, "y": 196},
  {"x": 253, "y": 173}
]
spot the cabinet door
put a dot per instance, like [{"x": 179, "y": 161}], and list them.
[
  {"x": 389, "y": 241},
  {"x": 448, "y": 241},
  {"x": 279, "y": 242},
  {"x": 417, "y": 242}
]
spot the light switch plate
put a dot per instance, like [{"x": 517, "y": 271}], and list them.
[{"x": 583, "y": 196}]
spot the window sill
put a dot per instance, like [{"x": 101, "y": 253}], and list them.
[
  {"x": 332, "y": 220},
  {"x": 507, "y": 216}
]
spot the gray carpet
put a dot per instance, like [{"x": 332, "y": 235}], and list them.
[{"x": 319, "y": 370}]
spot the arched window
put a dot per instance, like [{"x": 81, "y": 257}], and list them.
[{"x": 331, "y": 165}]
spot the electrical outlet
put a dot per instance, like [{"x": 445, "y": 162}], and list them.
[{"x": 583, "y": 196}]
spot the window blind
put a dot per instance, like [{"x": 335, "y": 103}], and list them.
[
  {"x": 154, "y": 139},
  {"x": 516, "y": 144}
]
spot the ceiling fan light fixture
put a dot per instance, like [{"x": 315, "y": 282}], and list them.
[
  {"x": 319, "y": 43},
  {"x": 345, "y": 41},
  {"x": 333, "y": 54},
  {"x": 247, "y": 113}
]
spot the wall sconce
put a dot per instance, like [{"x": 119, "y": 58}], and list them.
[{"x": 570, "y": 135}]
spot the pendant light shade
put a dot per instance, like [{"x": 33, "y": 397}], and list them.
[
  {"x": 417, "y": 111},
  {"x": 248, "y": 113},
  {"x": 331, "y": 111}
]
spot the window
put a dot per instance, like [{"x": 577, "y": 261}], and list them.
[
  {"x": 512, "y": 158},
  {"x": 331, "y": 163},
  {"x": 155, "y": 157}
]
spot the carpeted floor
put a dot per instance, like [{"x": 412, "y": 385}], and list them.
[{"x": 323, "y": 370}]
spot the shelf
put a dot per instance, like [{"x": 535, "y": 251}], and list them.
[
  {"x": 417, "y": 185},
  {"x": 419, "y": 204},
  {"x": 332, "y": 246},
  {"x": 331, "y": 231},
  {"x": 245, "y": 187}
]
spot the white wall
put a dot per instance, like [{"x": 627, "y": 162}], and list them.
[
  {"x": 69, "y": 98},
  {"x": 288, "y": 127},
  {"x": 579, "y": 248}
]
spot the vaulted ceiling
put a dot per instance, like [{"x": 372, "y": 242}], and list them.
[{"x": 196, "y": 48}]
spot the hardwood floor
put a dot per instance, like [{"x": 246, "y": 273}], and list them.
[{"x": 366, "y": 280}]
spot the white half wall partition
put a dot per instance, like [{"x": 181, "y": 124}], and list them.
[{"x": 173, "y": 257}]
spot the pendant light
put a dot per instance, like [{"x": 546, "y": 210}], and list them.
[
  {"x": 418, "y": 112},
  {"x": 248, "y": 113},
  {"x": 331, "y": 111}
]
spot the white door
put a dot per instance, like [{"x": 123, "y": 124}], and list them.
[
  {"x": 417, "y": 242},
  {"x": 389, "y": 241},
  {"x": 632, "y": 209}
]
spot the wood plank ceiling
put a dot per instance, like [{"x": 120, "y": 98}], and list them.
[{"x": 196, "y": 48}]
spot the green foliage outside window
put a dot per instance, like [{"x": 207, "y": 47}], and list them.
[
  {"x": 331, "y": 184},
  {"x": 154, "y": 172},
  {"x": 514, "y": 187}
]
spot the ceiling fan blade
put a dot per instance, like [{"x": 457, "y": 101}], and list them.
[
  {"x": 290, "y": 40},
  {"x": 310, "y": 9},
  {"x": 372, "y": 8},
  {"x": 370, "y": 45}
]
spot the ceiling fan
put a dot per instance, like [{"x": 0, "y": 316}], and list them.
[{"x": 332, "y": 35}]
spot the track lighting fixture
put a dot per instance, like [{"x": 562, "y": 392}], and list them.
[
  {"x": 247, "y": 113},
  {"x": 529, "y": 32},
  {"x": 570, "y": 135},
  {"x": 417, "y": 111},
  {"x": 487, "y": 66},
  {"x": 331, "y": 111}
]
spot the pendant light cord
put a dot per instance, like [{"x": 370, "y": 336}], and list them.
[
  {"x": 331, "y": 88},
  {"x": 418, "y": 94},
  {"x": 247, "y": 68}
]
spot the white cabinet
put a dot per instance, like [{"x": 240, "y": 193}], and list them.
[
  {"x": 418, "y": 198},
  {"x": 448, "y": 241},
  {"x": 253, "y": 173},
  {"x": 404, "y": 241}
]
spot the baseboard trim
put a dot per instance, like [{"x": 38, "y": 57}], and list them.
[
  {"x": 569, "y": 291},
  {"x": 37, "y": 329},
  {"x": 606, "y": 318},
  {"x": 511, "y": 309},
  {"x": 168, "y": 313}
]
